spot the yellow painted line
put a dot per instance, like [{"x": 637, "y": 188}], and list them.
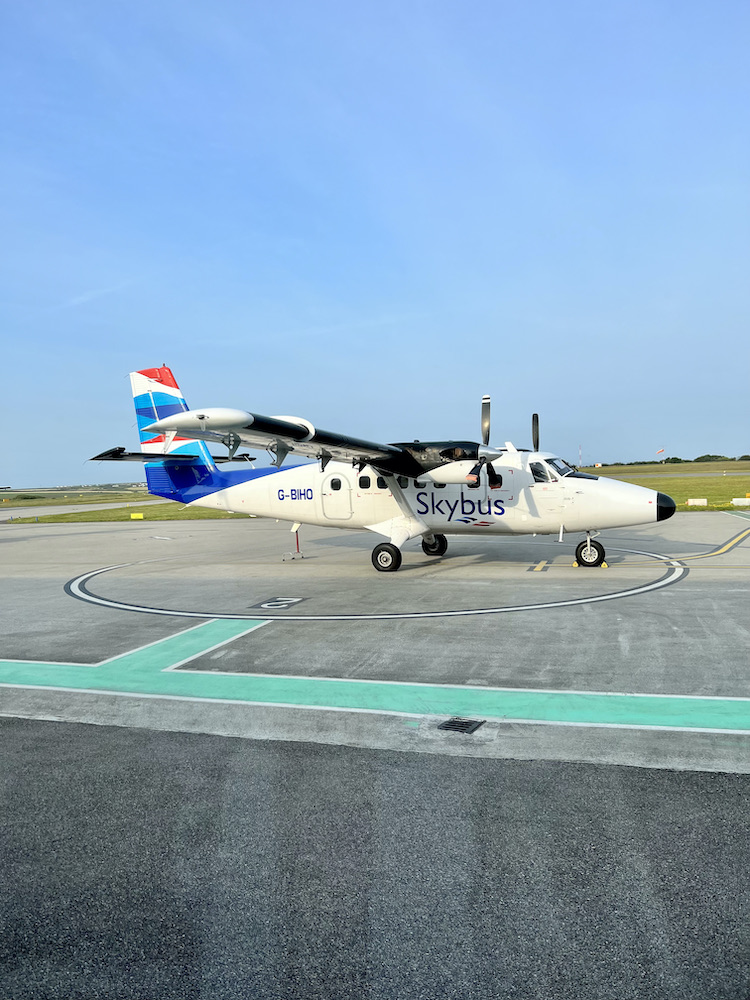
[
  {"x": 725, "y": 548},
  {"x": 732, "y": 543},
  {"x": 540, "y": 566}
]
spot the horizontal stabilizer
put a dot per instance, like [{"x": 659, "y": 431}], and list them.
[{"x": 121, "y": 455}]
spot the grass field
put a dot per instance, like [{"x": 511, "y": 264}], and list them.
[
  {"x": 687, "y": 481},
  {"x": 158, "y": 512},
  {"x": 54, "y": 498},
  {"x": 632, "y": 472},
  {"x": 718, "y": 490}
]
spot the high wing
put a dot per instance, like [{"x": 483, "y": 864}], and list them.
[
  {"x": 279, "y": 435},
  {"x": 170, "y": 433}
]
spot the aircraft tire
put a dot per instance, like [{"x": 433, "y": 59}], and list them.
[
  {"x": 590, "y": 557},
  {"x": 438, "y": 547},
  {"x": 386, "y": 558}
]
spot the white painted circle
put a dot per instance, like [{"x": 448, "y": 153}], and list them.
[{"x": 675, "y": 571}]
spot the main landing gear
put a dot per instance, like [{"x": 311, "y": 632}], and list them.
[
  {"x": 436, "y": 546},
  {"x": 386, "y": 558},
  {"x": 589, "y": 553}
]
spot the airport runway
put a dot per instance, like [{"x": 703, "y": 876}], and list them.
[{"x": 223, "y": 774}]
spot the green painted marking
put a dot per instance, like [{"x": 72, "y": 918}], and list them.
[
  {"x": 146, "y": 672},
  {"x": 125, "y": 672}
]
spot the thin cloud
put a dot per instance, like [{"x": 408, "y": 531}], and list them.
[
  {"x": 344, "y": 327},
  {"x": 93, "y": 294}
]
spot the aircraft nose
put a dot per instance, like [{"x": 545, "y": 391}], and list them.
[{"x": 665, "y": 506}]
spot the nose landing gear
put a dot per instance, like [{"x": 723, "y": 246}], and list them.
[{"x": 589, "y": 553}]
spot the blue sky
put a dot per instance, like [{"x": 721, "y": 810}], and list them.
[{"x": 370, "y": 214}]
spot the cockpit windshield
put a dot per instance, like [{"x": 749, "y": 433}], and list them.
[
  {"x": 551, "y": 468},
  {"x": 561, "y": 468}
]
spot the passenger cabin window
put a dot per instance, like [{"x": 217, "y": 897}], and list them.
[
  {"x": 402, "y": 481},
  {"x": 335, "y": 484},
  {"x": 381, "y": 483},
  {"x": 364, "y": 482},
  {"x": 439, "y": 486},
  {"x": 540, "y": 473},
  {"x": 419, "y": 486}
]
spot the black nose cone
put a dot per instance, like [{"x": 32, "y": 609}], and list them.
[{"x": 665, "y": 506}]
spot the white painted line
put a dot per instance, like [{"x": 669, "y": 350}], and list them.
[
  {"x": 675, "y": 572},
  {"x": 372, "y": 711},
  {"x": 210, "y": 649},
  {"x": 148, "y": 645}
]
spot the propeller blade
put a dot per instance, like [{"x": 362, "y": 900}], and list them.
[
  {"x": 485, "y": 420},
  {"x": 494, "y": 479},
  {"x": 535, "y": 431},
  {"x": 473, "y": 477}
]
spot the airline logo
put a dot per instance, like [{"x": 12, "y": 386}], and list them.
[{"x": 464, "y": 509}]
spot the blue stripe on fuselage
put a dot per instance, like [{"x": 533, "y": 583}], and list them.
[{"x": 188, "y": 483}]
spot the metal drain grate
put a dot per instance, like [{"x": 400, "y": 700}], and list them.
[{"x": 456, "y": 725}]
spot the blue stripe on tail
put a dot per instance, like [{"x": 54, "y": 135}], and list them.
[{"x": 153, "y": 406}]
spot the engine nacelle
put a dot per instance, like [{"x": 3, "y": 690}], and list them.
[
  {"x": 302, "y": 422},
  {"x": 453, "y": 473}
]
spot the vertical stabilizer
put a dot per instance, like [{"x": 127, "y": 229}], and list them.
[{"x": 156, "y": 395}]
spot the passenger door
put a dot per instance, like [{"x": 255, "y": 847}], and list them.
[{"x": 337, "y": 498}]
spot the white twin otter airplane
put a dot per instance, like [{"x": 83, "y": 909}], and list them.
[{"x": 426, "y": 489}]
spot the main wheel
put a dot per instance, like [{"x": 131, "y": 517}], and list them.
[
  {"x": 386, "y": 557},
  {"x": 590, "y": 554},
  {"x": 438, "y": 546}
]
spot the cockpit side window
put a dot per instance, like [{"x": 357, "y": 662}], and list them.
[{"x": 540, "y": 472}]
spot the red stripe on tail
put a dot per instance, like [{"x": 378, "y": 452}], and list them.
[{"x": 163, "y": 375}]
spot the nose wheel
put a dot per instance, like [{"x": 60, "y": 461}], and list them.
[{"x": 590, "y": 553}]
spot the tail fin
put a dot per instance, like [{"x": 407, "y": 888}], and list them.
[{"x": 156, "y": 395}]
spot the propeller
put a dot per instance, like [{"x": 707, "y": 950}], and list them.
[
  {"x": 486, "y": 454},
  {"x": 535, "y": 431},
  {"x": 485, "y": 420}
]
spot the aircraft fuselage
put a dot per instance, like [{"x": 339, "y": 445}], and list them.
[{"x": 342, "y": 497}]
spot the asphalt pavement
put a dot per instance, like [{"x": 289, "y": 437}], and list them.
[
  {"x": 138, "y": 864},
  {"x": 168, "y": 834}
]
